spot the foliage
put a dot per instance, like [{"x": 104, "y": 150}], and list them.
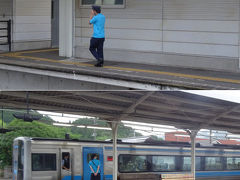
[
  {"x": 7, "y": 116},
  {"x": 34, "y": 129},
  {"x": 87, "y": 134},
  {"x": 45, "y": 129},
  {"x": 4, "y": 124}
]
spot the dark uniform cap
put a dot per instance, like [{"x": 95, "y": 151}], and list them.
[{"x": 97, "y": 9}]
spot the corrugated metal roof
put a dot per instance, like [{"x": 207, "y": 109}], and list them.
[{"x": 180, "y": 109}]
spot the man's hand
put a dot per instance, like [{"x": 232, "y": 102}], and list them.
[
  {"x": 92, "y": 14},
  {"x": 95, "y": 174}
]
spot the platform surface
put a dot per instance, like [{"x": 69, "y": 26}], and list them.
[{"x": 178, "y": 77}]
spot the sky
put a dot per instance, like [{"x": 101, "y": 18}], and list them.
[
  {"x": 228, "y": 95},
  {"x": 64, "y": 118}
]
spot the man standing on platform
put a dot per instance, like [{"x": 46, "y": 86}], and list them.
[{"x": 96, "y": 44}]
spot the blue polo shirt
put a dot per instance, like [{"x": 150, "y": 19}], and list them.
[
  {"x": 95, "y": 165},
  {"x": 98, "y": 22}
]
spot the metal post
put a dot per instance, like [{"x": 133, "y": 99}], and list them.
[
  {"x": 193, "y": 135},
  {"x": 9, "y": 24},
  {"x": 2, "y": 117},
  {"x": 193, "y": 151},
  {"x": 210, "y": 136},
  {"x": 94, "y": 130},
  {"x": 115, "y": 157}
]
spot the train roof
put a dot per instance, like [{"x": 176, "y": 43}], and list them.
[{"x": 148, "y": 143}]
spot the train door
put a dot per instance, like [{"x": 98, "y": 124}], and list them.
[
  {"x": 87, "y": 154},
  {"x": 18, "y": 160},
  {"x": 66, "y": 164}
]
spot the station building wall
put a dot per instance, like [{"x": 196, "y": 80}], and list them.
[
  {"x": 190, "y": 33},
  {"x": 31, "y": 24},
  {"x": 6, "y": 7}
]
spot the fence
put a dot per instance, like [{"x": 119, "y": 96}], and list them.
[{"x": 7, "y": 29}]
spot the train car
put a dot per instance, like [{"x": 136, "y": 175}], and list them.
[{"x": 41, "y": 159}]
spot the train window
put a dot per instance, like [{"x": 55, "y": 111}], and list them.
[
  {"x": 89, "y": 2},
  {"x": 112, "y": 2},
  {"x": 163, "y": 163},
  {"x": 66, "y": 160},
  {"x": 213, "y": 163},
  {"x": 133, "y": 163},
  {"x": 43, "y": 162},
  {"x": 233, "y": 163},
  {"x": 187, "y": 163},
  {"x": 102, "y": 2}
]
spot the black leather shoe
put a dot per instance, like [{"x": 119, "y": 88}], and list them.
[{"x": 99, "y": 64}]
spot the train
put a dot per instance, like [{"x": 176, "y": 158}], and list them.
[{"x": 41, "y": 159}]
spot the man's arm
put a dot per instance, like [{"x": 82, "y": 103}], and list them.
[
  {"x": 91, "y": 169},
  {"x": 91, "y": 17},
  {"x": 97, "y": 169}
]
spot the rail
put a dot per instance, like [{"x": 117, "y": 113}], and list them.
[{"x": 8, "y": 36}]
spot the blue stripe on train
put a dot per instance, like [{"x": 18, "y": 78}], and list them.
[
  {"x": 74, "y": 178},
  {"x": 171, "y": 150},
  {"x": 212, "y": 173},
  {"x": 198, "y": 174},
  {"x": 108, "y": 177},
  {"x": 215, "y": 174}
]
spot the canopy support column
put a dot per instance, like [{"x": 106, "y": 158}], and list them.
[
  {"x": 115, "y": 157},
  {"x": 193, "y": 135},
  {"x": 65, "y": 28}
]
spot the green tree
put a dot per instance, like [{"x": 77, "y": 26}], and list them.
[
  {"x": 34, "y": 129},
  {"x": 4, "y": 124},
  {"x": 45, "y": 129},
  {"x": 87, "y": 134},
  {"x": 7, "y": 115}
]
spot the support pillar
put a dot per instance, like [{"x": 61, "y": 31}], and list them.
[
  {"x": 115, "y": 157},
  {"x": 65, "y": 28},
  {"x": 193, "y": 135},
  {"x": 210, "y": 137}
]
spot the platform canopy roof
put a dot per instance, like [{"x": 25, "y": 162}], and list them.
[{"x": 176, "y": 108}]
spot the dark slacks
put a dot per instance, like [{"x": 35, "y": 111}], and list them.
[
  {"x": 95, "y": 177},
  {"x": 96, "y": 48}
]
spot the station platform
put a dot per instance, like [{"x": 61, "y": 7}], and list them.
[{"x": 175, "y": 77}]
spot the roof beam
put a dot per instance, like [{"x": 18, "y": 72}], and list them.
[
  {"x": 104, "y": 95},
  {"x": 116, "y": 98},
  {"x": 61, "y": 100},
  {"x": 57, "y": 109},
  {"x": 170, "y": 107},
  {"x": 186, "y": 101},
  {"x": 227, "y": 123},
  {"x": 131, "y": 108},
  {"x": 214, "y": 120}
]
